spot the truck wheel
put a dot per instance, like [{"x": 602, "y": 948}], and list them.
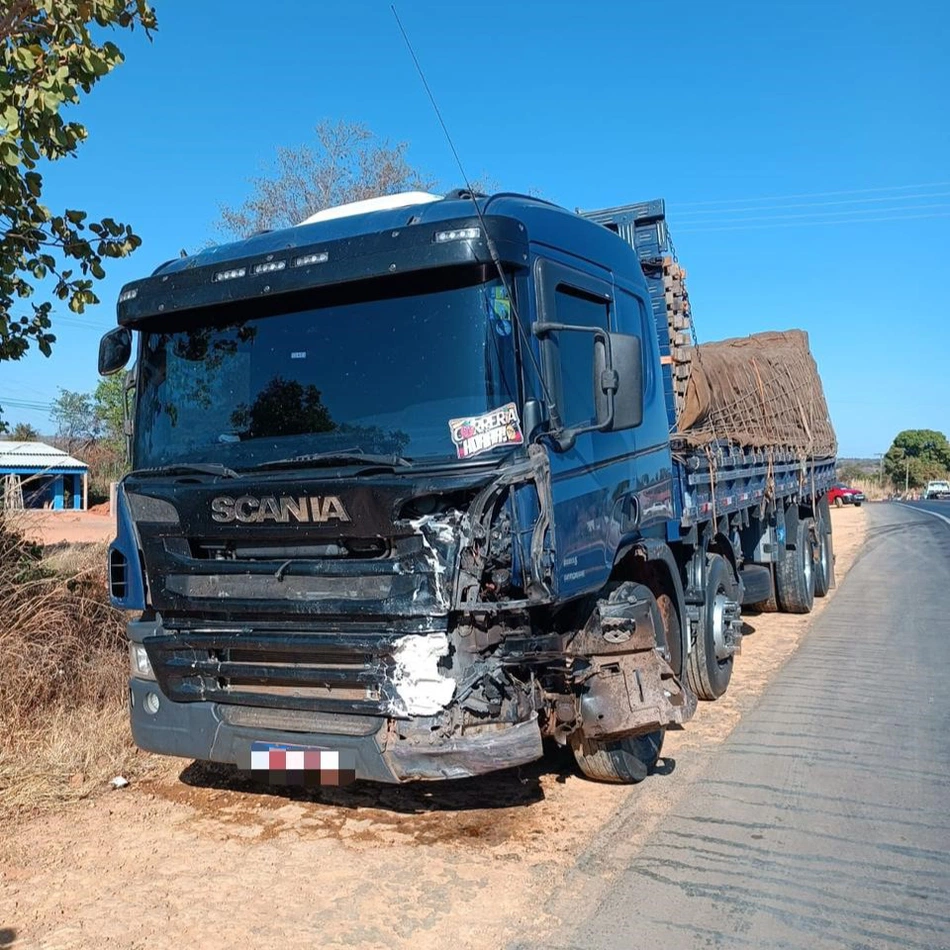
[
  {"x": 770, "y": 604},
  {"x": 825, "y": 561},
  {"x": 707, "y": 673},
  {"x": 795, "y": 573},
  {"x": 838, "y": 502},
  {"x": 627, "y": 760}
]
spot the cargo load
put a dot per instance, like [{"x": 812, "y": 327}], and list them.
[{"x": 759, "y": 391}]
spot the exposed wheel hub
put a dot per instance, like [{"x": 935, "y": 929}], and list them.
[{"x": 726, "y": 620}]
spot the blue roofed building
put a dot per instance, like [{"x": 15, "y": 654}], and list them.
[{"x": 37, "y": 475}]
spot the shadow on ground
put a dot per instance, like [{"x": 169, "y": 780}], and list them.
[{"x": 511, "y": 788}]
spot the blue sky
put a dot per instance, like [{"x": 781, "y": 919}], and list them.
[{"x": 726, "y": 110}]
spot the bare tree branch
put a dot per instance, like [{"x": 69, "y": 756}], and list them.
[{"x": 348, "y": 163}]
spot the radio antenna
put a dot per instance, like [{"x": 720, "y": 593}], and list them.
[
  {"x": 435, "y": 105},
  {"x": 493, "y": 253}
]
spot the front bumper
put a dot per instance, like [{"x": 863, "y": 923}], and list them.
[{"x": 208, "y": 731}]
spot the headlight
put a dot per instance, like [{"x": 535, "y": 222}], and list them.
[{"x": 139, "y": 662}]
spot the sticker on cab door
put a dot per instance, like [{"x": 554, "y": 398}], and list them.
[{"x": 476, "y": 434}]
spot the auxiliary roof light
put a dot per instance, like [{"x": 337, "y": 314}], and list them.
[
  {"x": 458, "y": 234},
  {"x": 129, "y": 294},
  {"x": 230, "y": 274},
  {"x": 305, "y": 259},
  {"x": 268, "y": 267}
]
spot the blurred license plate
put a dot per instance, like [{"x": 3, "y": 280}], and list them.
[{"x": 282, "y": 764}]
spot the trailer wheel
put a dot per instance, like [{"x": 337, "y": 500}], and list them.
[
  {"x": 795, "y": 573},
  {"x": 770, "y": 604},
  {"x": 708, "y": 673},
  {"x": 627, "y": 760},
  {"x": 824, "y": 560}
]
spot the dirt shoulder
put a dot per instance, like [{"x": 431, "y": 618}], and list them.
[
  {"x": 72, "y": 527},
  {"x": 189, "y": 857}
]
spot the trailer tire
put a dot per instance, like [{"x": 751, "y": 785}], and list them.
[
  {"x": 708, "y": 676},
  {"x": 795, "y": 573},
  {"x": 622, "y": 761},
  {"x": 770, "y": 604},
  {"x": 825, "y": 561}
]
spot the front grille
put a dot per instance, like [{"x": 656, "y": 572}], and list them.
[
  {"x": 299, "y": 720},
  {"x": 277, "y": 587},
  {"x": 346, "y": 547},
  {"x": 333, "y": 673},
  {"x": 370, "y": 578}
]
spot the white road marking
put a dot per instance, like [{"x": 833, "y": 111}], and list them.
[{"x": 926, "y": 511}]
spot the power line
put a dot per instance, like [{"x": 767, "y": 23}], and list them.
[
  {"x": 816, "y": 194},
  {"x": 818, "y": 204},
  {"x": 819, "y": 215},
  {"x": 810, "y": 223},
  {"x": 24, "y": 403}
]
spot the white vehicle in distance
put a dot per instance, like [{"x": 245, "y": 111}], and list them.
[{"x": 937, "y": 489}]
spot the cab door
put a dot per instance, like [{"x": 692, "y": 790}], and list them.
[{"x": 593, "y": 480}]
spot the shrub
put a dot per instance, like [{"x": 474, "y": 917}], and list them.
[{"x": 63, "y": 669}]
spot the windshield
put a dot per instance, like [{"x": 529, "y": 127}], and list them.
[{"x": 422, "y": 375}]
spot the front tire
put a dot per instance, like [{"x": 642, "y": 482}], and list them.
[
  {"x": 838, "y": 502},
  {"x": 621, "y": 761}
]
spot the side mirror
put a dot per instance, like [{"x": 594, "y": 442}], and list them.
[
  {"x": 618, "y": 381},
  {"x": 115, "y": 351}
]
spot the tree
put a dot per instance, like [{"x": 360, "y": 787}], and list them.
[
  {"x": 51, "y": 54},
  {"x": 109, "y": 410},
  {"x": 24, "y": 432},
  {"x": 917, "y": 456},
  {"x": 74, "y": 415},
  {"x": 850, "y": 472},
  {"x": 349, "y": 163}
]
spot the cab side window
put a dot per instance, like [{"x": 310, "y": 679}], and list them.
[{"x": 575, "y": 353}]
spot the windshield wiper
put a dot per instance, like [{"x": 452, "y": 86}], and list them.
[
  {"x": 182, "y": 468},
  {"x": 349, "y": 457}
]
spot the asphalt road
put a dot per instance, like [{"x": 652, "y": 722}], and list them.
[{"x": 822, "y": 822}]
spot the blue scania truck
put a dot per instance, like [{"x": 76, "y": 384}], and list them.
[{"x": 407, "y": 488}]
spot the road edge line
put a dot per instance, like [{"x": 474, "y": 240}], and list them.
[{"x": 926, "y": 511}]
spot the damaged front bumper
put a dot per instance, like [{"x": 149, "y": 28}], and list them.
[
  {"x": 377, "y": 697},
  {"x": 212, "y": 732}
]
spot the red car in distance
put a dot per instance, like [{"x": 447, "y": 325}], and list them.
[{"x": 839, "y": 495}]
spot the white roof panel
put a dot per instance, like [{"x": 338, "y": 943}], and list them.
[
  {"x": 405, "y": 199},
  {"x": 36, "y": 455}
]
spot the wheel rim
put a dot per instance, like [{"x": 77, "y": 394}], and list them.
[
  {"x": 823, "y": 555},
  {"x": 808, "y": 568},
  {"x": 719, "y": 623}
]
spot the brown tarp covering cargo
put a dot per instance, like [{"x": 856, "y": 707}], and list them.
[{"x": 758, "y": 391}]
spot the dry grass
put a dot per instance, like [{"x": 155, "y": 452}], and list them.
[{"x": 63, "y": 668}]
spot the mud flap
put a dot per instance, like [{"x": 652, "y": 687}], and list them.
[
  {"x": 631, "y": 693},
  {"x": 629, "y": 686}
]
